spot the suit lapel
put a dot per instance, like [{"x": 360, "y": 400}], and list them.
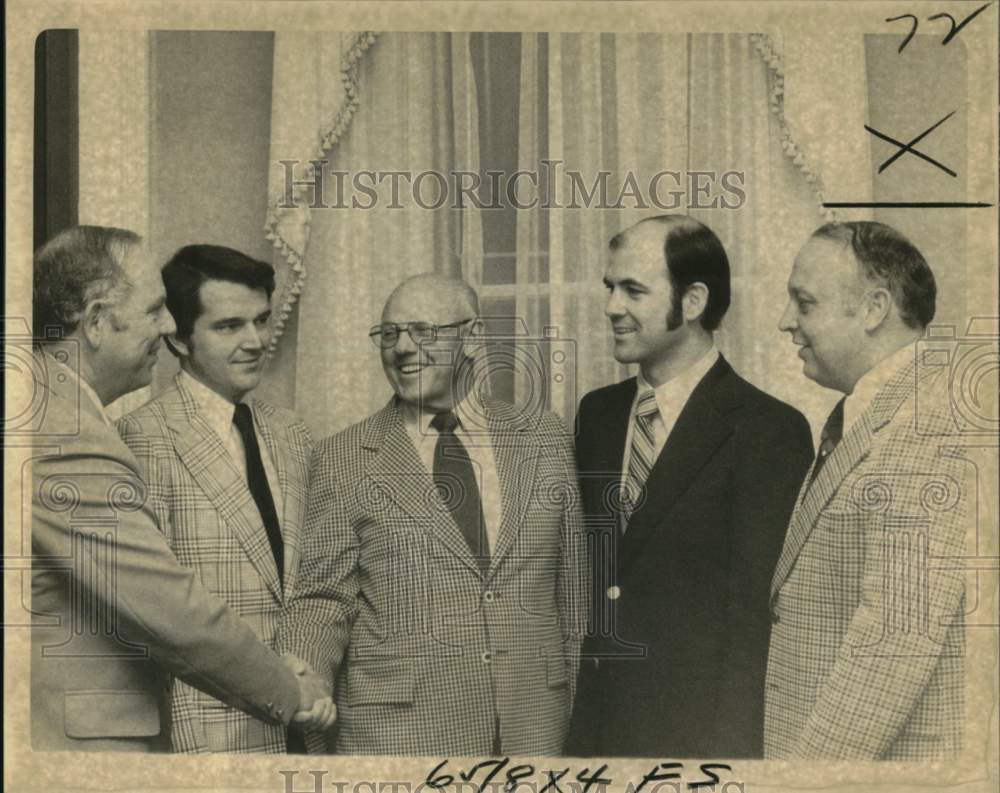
[
  {"x": 398, "y": 473},
  {"x": 851, "y": 450},
  {"x": 700, "y": 430},
  {"x": 290, "y": 502},
  {"x": 277, "y": 448},
  {"x": 210, "y": 465},
  {"x": 610, "y": 450},
  {"x": 516, "y": 455},
  {"x": 849, "y": 453}
]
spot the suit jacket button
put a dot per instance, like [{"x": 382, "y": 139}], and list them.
[
  {"x": 614, "y": 592},
  {"x": 775, "y": 619},
  {"x": 487, "y": 657},
  {"x": 488, "y": 596}
]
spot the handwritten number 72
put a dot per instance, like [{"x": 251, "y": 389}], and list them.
[{"x": 955, "y": 26}]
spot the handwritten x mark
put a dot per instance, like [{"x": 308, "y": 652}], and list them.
[{"x": 908, "y": 147}]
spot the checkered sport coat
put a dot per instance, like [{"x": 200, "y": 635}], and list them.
[
  {"x": 430, "y": 655},
  {"x": 866, "y": 653},
  {"x": 204, "y": 507}
]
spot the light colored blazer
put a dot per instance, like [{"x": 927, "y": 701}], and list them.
[
  {"x": 866, "y": 653},
  {"x": 211, "y": 521},
  {"x": 113, "y": 610},
  {"x": 430, "y": 655}
]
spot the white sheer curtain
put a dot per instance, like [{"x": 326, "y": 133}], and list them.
[
  {"x": 114, "y": 141},
  {"x": 415, "y": 112},
  {"x": 644, "y": 103}
]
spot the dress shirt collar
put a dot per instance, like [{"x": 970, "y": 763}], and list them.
[
  {"x": 467, "y": 412},
  {"x": 871, "y": 383},
  {"x": 672, "y": 395},
  {"x": 215, "y": 408},
  {"x": 85, "y": 387}
]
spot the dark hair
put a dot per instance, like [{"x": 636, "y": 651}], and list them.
[
  {"x": 887, "y": 258},
  {"x": 77, "y": 266},
  {"x": 692, "y": 253},
  {"x": 193, "y": 265}
]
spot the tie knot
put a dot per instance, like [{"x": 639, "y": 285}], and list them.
[
  {"x": 242, "y": 418},
  {"x": 647, "y": 405},
  {"x": 445, "y": 422}
]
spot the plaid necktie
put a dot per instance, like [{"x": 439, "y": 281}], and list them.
[
  {"x": 833, "y": 431},
  {"x": 642, "y": 455}
]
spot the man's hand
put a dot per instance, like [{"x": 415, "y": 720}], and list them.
[
  {"x": 296, "y": 664},
  {"x": 316, "y": 709}
]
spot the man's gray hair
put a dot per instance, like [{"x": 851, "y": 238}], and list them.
[
  {"x": 77, "y": 266},
  {"x": 887, "y": 258}
]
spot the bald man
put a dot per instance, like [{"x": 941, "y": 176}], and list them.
[{"x": 443, "y": 573}]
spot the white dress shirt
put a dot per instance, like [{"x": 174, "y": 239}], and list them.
[
  {"x": 479, "y": 447},
  {"x": 872, "y": 381},
  {"x": 218, "y": 412},
  {"x": 671, "y": 397}
]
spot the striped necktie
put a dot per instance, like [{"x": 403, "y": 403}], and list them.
[{"x": 642, "y": 454}]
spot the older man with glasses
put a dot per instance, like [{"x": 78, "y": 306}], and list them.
[{"x": 443, "y": 581}]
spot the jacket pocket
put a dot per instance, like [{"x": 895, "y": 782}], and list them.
[
  {"x": 555, "y": 669},
  {"x": 111, "y": 714},
  {"x": 382, "y": 681}
]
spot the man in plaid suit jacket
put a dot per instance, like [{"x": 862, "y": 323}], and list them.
[
  {"x": 442, "y": 642},
  {"x": 200, "y": 478},
  {"x": 867, "y": 652},
  {"x": 113, "y": 610}
]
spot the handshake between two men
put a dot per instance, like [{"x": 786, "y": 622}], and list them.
[{"x": 316, "y": 711}]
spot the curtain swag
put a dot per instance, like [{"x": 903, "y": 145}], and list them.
[
  {"x": 288, "y": 227},
  {"x": 774, "y": 62}
]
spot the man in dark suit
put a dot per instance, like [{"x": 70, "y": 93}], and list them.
[{"x": 688, "y": 475}]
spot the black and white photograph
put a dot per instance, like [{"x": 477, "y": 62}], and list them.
[{"x": 561, "y": 397}]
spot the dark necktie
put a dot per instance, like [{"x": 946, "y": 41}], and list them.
[
  {"x": 261, "y": 492},
  {"x": 259, "y": 488},
  {"x": 833, "y": 430},
  {"x": 455, "y": 479}
]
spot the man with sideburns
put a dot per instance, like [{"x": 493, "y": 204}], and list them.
[
  {"x": 688, "y": 474},
  {"x": 227, "y": 475},
  {"x": 442, "y": 577}
]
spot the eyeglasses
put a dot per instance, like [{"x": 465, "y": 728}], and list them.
[{"x": 386, "y": 335}]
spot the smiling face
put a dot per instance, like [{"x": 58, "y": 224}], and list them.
[
  {"x": 137, "y": 322},
  {"x": 225, "y": 350},
  {"x": 425, "y": 376},
  {"x": 645, "y": 318},
  {"x": 823, "y": 314}
]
